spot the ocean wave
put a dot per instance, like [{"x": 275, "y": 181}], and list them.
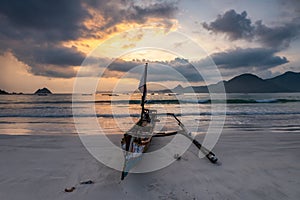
[
  {"x": 267, "y": 100},
  {"x": 163, "y": 101},
  {"x": 197, "y": 101},
  {"x": 138, "y": 115},
  {"x": 67, "y": 115}
]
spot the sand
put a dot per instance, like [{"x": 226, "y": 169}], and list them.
[{"x": 255, "y": 165}]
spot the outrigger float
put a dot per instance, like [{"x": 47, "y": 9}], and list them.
[{"x": 137, "y": 140}]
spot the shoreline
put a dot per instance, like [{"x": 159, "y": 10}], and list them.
[{"x": 255, "y": 165}]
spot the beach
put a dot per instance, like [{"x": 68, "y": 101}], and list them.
[
  {"x": 42, "y": 154},
  {"x": 255, "y": 165},
  {"x": 150, "y": 100}
]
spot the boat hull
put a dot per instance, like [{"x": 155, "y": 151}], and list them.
[{"x": 136, "y": 141}]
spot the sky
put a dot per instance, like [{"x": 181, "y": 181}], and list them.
[{"x": 52, "y": 43}]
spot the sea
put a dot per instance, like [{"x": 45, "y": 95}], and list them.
[{"x": 57, "y": 114}]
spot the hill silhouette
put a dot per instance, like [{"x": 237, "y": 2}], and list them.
[
  {"x": 43, "y": 91},
  {"x": 249, "y": 83},
  {"x": 3, "y": 92},
  {"x": 289, "y": 80}
]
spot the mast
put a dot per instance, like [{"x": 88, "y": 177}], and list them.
[{"x": 143, "y": 88}]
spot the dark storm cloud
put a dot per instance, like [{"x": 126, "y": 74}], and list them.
[
  {"x": 156, "y": 9},
  {"x": 51, "y": 20},
  {"x": 278, "y": 37},
  {"x": 51, "y": 61},
  {"x": 235, "y": 25},
  {"x": 238, "y": 26},
  {"x": 51, "y": 55},
  {"x": 250, "y": 57},
  {"x": 117, "y": 11},
  {"x": 43, "y": 14},
  {"x": 123, "y": 66},
  {"x": 34, "y": 30},
  {"x": 53, "y": 71}
]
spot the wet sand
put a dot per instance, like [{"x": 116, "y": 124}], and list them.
[{"x": 255, "y": 165}]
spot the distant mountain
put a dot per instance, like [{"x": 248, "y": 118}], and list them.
[
  {"x": 3, "y": 92},
  {"x": 178, "y": 89},
  {"x": 288, "y": 80},
  {"x": 43, "y": 91},
  {"x": 249, "y": 83}
]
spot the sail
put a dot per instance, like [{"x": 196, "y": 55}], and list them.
[{"x": 142, "y": 85}]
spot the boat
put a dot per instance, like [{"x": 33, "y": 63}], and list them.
[
  {"x": 137, "y": 140},
  {"x": 109, "y": 94},
  {"x": 42, "y": 94}
]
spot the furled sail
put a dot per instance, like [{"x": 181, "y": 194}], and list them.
[{"x": 143, "y": 85}]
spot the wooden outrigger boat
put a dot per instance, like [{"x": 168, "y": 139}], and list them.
[{"x": 136, "y": 141}]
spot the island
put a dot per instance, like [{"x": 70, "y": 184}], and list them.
[
  {"x": 43, "y": 92},
  {"x": 3, "y": 92}
]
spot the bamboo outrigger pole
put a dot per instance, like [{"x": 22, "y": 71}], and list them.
[{"x": 209, "y": 154}]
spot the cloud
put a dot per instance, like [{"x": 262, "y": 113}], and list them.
[
  {"x": 155, "y": 9},
  {"x": 51, "y": 60},
  {"x": 48, "y": 20},
  {"x": 51, "y": 55},
  {"x": 53, "y": 71},
  {"x": 123, "y": 66},
  {"x": 251, "y": 57},
  {"x": 279, "y": 37},
  {"x": 35, "y": 31},
  {"x": 179, "y": 69},
  {"x": 248, "y": 59},
  {"x": 238, "y": 26},
  {"x": 118, "y": 11}
]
